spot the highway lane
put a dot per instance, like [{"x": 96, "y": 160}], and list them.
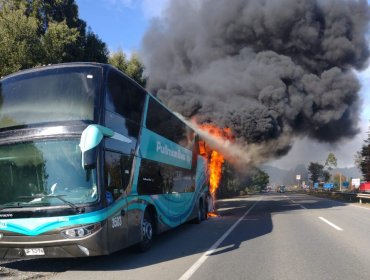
[
  {"x": 300, "y": 244},
  {"x": 272, "y": 236}
]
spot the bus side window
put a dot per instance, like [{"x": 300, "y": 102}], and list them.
[
  {"x": 151, "y": 180},
  {"x": 126, "y": 165},
  {"x": 112, "y": 174},
  {"x": 164, "y": 123}
]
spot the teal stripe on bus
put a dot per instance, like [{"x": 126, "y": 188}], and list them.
[
  {"x": 158, "y": 148},
  {"x": 181, "y": 207}
]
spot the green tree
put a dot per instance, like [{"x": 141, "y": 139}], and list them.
[
  {"x": 58, "y": 11},
  {"x": 133, "y": 67},
  {"x": 56, "y": 42},
  {"x": 331, "y": 161},
  {"x": 95, "y": 50},
  {"x": 260, "y": 179},
  {"x": 118, "y": 59},
  {"x": 36, "y": 32},
  {"x": 326, "y": 175},
  {"x": 362, "y": 158},
  {"x": 20, "y": 46},
  {"x": 316, "y": 171}
]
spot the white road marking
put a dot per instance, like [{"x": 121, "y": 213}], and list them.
[
  {"x": 330, "y": 224},
  {"x": 321, "y": 218},
  {"x": 300, "y": 205},
  {"x": 213, "y": 248}
]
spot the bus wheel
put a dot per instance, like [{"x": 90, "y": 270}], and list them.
[
  {"x": 205, "y": 213},
  {"x": 147, "y": 232},
  {"x": 200, "y": 213}
]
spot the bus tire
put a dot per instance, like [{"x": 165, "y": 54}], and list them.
[
  {"x": 200, "y": 213},
  {"x": 205, "y": 217},
  {"x": 147, "y": 228}
]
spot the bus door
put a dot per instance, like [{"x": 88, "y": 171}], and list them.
[
  {"x": 179, "y": 196},
  {"x": 117, "y": 173},
  {"x": 166, "y": 180}
]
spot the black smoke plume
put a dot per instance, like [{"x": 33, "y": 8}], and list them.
[{"x": 271, "y": 70}]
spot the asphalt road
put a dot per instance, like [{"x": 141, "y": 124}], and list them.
[{"x": 269, "y": 236}]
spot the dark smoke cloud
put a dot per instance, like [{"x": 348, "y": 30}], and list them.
[{"x": 270, "y": 70}]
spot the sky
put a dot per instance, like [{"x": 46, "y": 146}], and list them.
[{"x": 121, "y": 24}]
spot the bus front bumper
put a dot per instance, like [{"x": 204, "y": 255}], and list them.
[{"x": 52, "y": 246}]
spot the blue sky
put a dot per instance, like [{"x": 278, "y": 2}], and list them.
[{"x": 122, "y": 24}]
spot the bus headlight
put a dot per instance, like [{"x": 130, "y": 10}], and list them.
[{"x": 80, "y": 232}]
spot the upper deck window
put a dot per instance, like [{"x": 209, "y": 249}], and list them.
[
  {"x": 166, "y": 124},
  {"x": 49, "y": 95},
  {"x": 124, "y": 97}
]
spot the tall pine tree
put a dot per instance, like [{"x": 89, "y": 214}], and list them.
[{"x": 133, "y": 67}]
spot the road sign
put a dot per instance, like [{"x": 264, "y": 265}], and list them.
[{"x": 356, "y": 182}]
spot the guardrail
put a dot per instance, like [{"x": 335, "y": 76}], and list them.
[
  {"x": 347, "y": 196},
  {"x": 362, "y": 196},
  {"x": 344, "y": 196}
]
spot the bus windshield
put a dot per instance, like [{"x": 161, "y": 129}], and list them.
[
  {"x": 45, "y": 173},
  {"x": 49, "y": 95}
]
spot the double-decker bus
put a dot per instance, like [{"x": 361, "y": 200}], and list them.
[{"x": 91, "y": 163}]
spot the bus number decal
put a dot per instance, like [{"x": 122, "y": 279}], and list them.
[{"x": 116, "y": 222}]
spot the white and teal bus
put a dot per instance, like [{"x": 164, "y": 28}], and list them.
[{"x": 91, "y": 163}]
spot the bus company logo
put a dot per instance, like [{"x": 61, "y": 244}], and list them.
[
  {"x": 6, "y": 215},
  {"x": 163, "y": 149}
]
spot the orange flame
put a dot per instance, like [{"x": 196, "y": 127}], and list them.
[
  {"x": 216, "y": 159},
  {"x": 213, "y": 215},
  {"x": 215, "y": 169}
]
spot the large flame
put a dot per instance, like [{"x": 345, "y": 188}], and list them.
[
  {"x": 215, "y": 169},
  {"x": 216, "y": 159}
]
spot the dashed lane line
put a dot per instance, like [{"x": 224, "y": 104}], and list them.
[
  {"x": 209, "y": 252},
  {"x": 330, "y": 224}
]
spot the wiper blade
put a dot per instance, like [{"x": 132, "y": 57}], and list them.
[
  {"x": 60, "y": 197},
  {"x": 14, "y": 205}
]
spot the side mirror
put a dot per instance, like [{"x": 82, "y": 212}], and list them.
[
  {"x": 90, "y": 140},
  {"x": 90, "y": 158}
]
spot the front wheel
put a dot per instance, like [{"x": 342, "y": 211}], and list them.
[{"x": 147, "y": 232}]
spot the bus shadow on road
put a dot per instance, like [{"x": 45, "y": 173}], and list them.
[{"x": 190, "y": 239}]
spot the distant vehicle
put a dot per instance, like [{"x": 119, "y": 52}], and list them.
[
  {"x": 281, "y": 189},
  {"x": 364, "y": 187},
  {"x": 329, "y": 186}
]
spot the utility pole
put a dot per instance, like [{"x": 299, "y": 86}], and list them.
[{"x": 298, "y": 177}]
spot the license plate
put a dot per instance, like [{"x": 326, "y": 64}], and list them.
[{"x": 34, "y": 252}]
